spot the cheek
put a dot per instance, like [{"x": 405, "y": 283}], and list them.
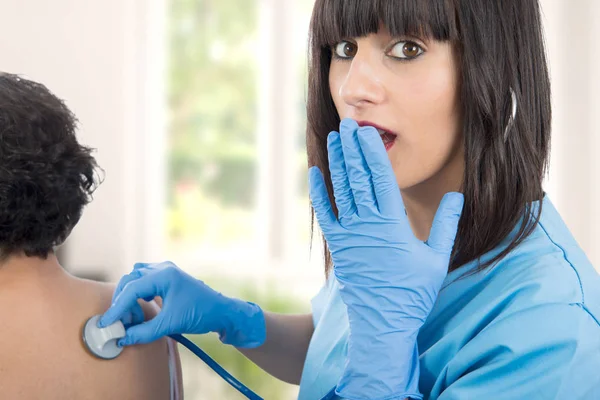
[
  {"x": 431, "y": 129},
  {"x": 433, "y": 94},
  {"x": 432, "y": 104}
]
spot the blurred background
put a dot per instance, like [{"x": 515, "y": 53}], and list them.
[{"x": 196, "y": 109}]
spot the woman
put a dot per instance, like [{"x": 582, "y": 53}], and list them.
[
  {"x": 415, "y": 108},
  {"x": 46, "y": 179}
]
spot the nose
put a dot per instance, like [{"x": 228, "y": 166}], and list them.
[{"x": 362, "y": 86}]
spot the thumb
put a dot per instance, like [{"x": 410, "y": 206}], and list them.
[
  {"x": 128, "y": 298},
  {"x": 146, "y": 332},
  {"x": 445, "y": 222}
]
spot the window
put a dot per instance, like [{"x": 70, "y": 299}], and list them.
[
  {"x": 238, "y": 208},
  {"x": 237, "y": 165},
  {"x": 212, "y": 102}
]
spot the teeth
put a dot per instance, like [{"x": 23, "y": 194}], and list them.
[{"x": 385, "y": 137}]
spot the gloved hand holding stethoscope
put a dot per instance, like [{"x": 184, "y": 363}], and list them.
[{"x": 389, "y": 280}]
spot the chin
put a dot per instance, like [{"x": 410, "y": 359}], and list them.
[
  {"x": 408, "y": 184},
  {"x": 406, "y": 181},
  {"x": 412, "y": 183}
]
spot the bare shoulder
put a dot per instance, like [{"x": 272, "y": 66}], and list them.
[
  {"x": 55, "y": 313},
  {"x": 156, "y": 366}
]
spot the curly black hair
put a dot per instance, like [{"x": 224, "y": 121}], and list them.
[{"x": 46, "y": 176}]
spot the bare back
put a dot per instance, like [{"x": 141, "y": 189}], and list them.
[{"x": 42, "y": 354}]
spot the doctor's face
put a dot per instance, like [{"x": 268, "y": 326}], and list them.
[{"x": 407, "y": 87}]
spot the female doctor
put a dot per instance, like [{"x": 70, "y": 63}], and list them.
[{"x": 450, "y": 275}]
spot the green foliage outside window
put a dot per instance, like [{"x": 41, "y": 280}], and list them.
[
  {"x": 212, "y": 161},
  {"x": 212, "y": 98}
]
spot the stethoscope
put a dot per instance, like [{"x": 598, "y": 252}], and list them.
[{"x": 102, "y": 343}]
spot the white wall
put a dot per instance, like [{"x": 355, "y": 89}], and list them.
[{"x": 104, "y": 58}]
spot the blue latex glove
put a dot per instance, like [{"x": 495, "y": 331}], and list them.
[
  {"x": 189, "y": 306},
  {"x": 389, "y": 280}
]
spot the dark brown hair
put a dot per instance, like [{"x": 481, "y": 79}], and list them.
[
  {"x": 499, "y": 46},
  {"x": 46, "y": 176}
]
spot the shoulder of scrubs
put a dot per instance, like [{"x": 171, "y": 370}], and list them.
[
  {"x": 319, "y": 302},
  {"x": 528, "y": 328}
]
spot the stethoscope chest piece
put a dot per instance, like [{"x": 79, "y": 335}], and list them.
[{"x": 102, "y": 342}]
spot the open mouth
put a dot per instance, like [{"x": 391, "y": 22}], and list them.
[{"x": 388, "y": 138}]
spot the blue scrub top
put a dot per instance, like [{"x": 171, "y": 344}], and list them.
[{"x": 527, "y": 328}]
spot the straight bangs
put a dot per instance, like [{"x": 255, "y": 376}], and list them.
[{"x": 336, "y": 20}]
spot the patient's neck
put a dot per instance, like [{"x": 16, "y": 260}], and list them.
[{"x": 21, "y": 268}]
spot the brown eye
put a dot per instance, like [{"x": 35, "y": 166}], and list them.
[
  {"x": 410, "y": 50},
  {"x": 345, "y": 50},
  {"x": 406, "y": 50}
]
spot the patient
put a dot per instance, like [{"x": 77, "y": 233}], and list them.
[{"x": 46, "y": 179}]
